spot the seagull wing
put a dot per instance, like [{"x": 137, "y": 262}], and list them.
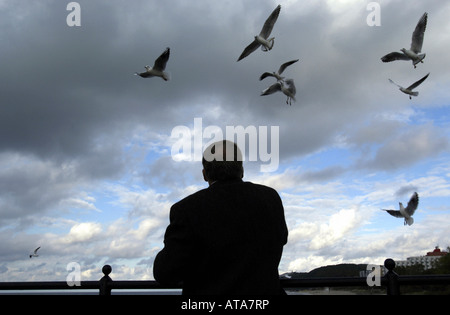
[
  {"x": 35, "y": 251},
  {"x": 416, "y": 84},
  {"x": 265, "y": 75},
  {"x": 144, "y": 74},
  {"x": 160, "y": 63},
  {"x": 395, "y": 83},
  {"x": 413, "y": 203},
  {"x": 394, "y": 213},
  {"x": 394, "y": 56},
  {"x": 285, "y": 65},
  {"x": 249, "y": 49},
  {"x": 270, "y": 22},
  {"x": 418, "y": 34},
  {"x": 276, "y": 87}
]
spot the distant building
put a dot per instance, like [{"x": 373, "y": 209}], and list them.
[
  {"x": 437, "y": 252},
  {"x": 428, "y": 261}
]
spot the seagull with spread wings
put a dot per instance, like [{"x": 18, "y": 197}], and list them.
[
  {"x": 277, "y": 74},
  {"x": 409, "y": 89},
  {"x": 158, "y": 68},
  {"x": 414, "y": 53},
  {"x": 35, "y": 253},
  {"x": 289, "y": 91},
  {"x": 263, "y": 37},
  {"x": 407, "y": 212}
]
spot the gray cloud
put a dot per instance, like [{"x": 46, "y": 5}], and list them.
[
  {"x": 78, "y": 81},
  {"x": 407, "y": 148},
  {"x": 407, "y": 189}
]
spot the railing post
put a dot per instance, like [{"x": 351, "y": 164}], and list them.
[
  {"x": 392, "y": 286},
  {"x": 104, "y": 290}
]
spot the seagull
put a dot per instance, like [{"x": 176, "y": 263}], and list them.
[
  {"x": 407, "y": 212},
  {"x": 158, "y": 68},
  {"x": 277, "y": 74},
  {"x": 35, "y": 253},
  {"x": 414, "y": 53},
  {"x": 263, "y": 37},
  {"x": 409, "y": 90},
  {"x": 279, "y": 86}
]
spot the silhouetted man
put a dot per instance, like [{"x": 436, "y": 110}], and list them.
[{"x": 227, "y": 238}]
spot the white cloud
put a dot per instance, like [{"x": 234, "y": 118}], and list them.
[
  {"x": 83, "y": 232},
  {"x": 86, "y": 203},
  {"x": 311, "y": 262},
  {"x": 140, "y": 202},
  {"x": 339, "y": 225}
]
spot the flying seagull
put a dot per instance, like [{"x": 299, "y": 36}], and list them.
[
  {"x": 414, "y": 53},
  {"x": 409, "y": 90},
  {"x": 279, "y": 87},
  {"x": 407, "y": 212},
  {"x": 263, "y": 37},
  {"x": 277, "y": 74},
  {"x": 158, "y": 68},
  {"x": 35, "y": 253}
]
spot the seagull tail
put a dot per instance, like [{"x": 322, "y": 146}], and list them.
[
  {"x": 420, "y": 59},
  {"x": 415, "y": 93},
  {"x": 409, "y": 221},
  {"x": 271, "y": 43},
  {"x": 167, "y": 76}
]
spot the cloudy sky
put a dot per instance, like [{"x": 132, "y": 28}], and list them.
[{"x": 86, "y": 164}]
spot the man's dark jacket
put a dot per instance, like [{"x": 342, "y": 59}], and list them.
[{"x": 226, "y": 239}]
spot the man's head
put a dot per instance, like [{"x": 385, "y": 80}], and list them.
[{"x": 222, "y": 160}]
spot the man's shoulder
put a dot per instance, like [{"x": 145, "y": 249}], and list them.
[
  {"x": 192, "y": 197},
  {"x": 243, "y": 186},
  {"x": 261, "y": 187}
]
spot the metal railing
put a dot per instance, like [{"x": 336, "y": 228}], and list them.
[{"x": 391, "y": 281}]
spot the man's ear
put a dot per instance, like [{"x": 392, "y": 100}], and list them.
[{"x": 205, "y": 177}]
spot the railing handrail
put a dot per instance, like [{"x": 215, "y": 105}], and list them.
[
  {"x": 286, "y": 283},
  {"x": 391, "y": 281},
  {"x": 47, "y": 285}
]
